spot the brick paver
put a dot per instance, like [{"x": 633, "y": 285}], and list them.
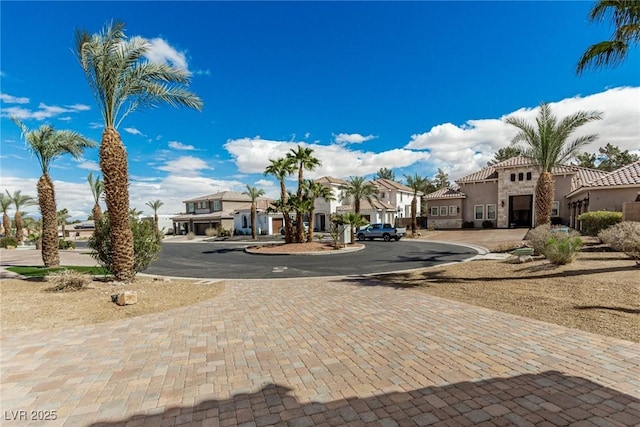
[{"x": 321, "y": 352}]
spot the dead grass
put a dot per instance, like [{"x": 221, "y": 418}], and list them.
[{"x": 599, "y": 292}]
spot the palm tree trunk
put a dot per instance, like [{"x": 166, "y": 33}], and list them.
[
  {"x": 96, "y": 213},
  {"x": 17, "y": 220},
  {"x": 46, "y": 198},
  {"x": 113, "y": 162},
  {"x": 155, "y": 220},
  {"x": 545, "y": 190},
  {"x": 414, "y": 222},
  {"x": 310, "y": 233},
  {"x": 6, "y": 224},
  {"x": 254, "y": 231},
  {"x": 288, "y": 230}
]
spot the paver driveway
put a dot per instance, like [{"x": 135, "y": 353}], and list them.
[{"x": 321, "y": 352}]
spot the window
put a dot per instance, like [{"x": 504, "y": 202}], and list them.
[
  {"x": 528, "y": 176},
  {"x": 491, "y": 212},
  {"x": 520, "y": 176},
  {"x": 245, "y": 223},
  {"x": 202, "y": 205},
  {"x": 513, "y": 177},
  {"x": 555, "y": 209},
  {"x": 434, "y": 211},
  {"x": 217, "y": 205},
  {"x": 382, "y": 195},
  {"x": 190, "y": 207},
  {"x": 453, "y": 210},
  {"x": 443, "y": 211},
  {"x": 479, "y": 211}
]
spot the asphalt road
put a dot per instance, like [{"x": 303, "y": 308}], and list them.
[{"x": 229, "y": 261}]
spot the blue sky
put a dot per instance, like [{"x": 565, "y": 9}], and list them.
[{"x": 411, "y": 86}]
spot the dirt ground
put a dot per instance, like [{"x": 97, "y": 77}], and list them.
[{"x": 599, "y": 292}]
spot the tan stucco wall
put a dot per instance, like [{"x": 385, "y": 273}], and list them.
[
  {"x": 631, "y": 211},
  {"x": 485, "y": 193}
]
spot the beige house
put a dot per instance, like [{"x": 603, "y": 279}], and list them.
[
  {"x": 503, "y": 195},
  {"x": 210, "y": 211}
]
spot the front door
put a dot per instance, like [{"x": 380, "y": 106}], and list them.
[{"x": 520, "y": 211}]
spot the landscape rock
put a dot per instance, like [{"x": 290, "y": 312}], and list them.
[{"x": 127, "y": 298}]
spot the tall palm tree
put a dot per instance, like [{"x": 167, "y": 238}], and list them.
[
  {"x": 254, "y": 193},
  {"x": 314, "y": 190},
  {"x": 416, "y": 183},
  {"x": 62, "y": 216},
  {"x": 19, "y": 201},
  {"x": 5, "y": 205},
  {"x": 359, "y": 189},
  {"x": 281, "y": 169},
  {"x": 625, "y": 15},
  {"x": 303, "y": 158},
  {"x": 47, "y": 145},
  {"x": 97, "y": 188},
  {"x": 122, "y": 81},
  {"x": 547, "y": 144},
  {"x": 155, "y": 205}
]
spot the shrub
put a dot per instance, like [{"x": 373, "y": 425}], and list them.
[
  {"x": 487, "y": 224},
  {"x": 537, "y": 237},
  {"x": 623, "y": 237},
  {"x": 8, "y": 241},
  {"x": 66, "y": 280},
  {"x": 224, "y": 232},
  {"x": 561, "y": 248},
  {"x": 66, "y": 244},
  {"x": 191, "y": 235},
  {"x": 468, "y": 224},
  {"x": 147, "y": 243},
  {"x": 594, "y": 222},
  {"x": 211, "y": 232}
]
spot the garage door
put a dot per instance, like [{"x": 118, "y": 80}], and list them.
[{"x": 277, "y": 225}]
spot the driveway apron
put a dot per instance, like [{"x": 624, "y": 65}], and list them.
[{"x": 323, "y": 351}]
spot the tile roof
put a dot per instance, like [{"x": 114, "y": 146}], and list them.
[
  {"x": 222, "y": 195},
  {"x": 331, "y": 180},
  {"x": 262, "y": 204},
  {"x": 391, "y": 185},
  {"x": 625, "y": 176},
  {"x": 445, "y": 193},
  {"x": 366, "y": 206},
  {"x": 204, "y": 217}
]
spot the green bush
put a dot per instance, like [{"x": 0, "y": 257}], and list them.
[
  {"x": 623, "y": 237},
  {"x": 594, "y": 222},
  {"x": 147, "y": 244},
  {"x": 8, "y": 241},
  {"x": 66, "y": 244},
  {"x": 487, "y": 224},
  {"x": 561, "y": 248}
]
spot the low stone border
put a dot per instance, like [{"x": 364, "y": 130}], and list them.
[{"x": 352, "y": 248}]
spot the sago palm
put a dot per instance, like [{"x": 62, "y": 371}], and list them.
[
  {"x": 314, "y": 190},
  {"x": 122, "y": 81},
  {"x": 281, "y": 168},
  {"x": 416, "y": 183},
  {"x": 155, "y": 206},
  {"x": 547, "y": 143},
  {"x": 254, "y": 193},
  {"x": 5, "y": 205},
  {"x": 20, "y": 201},
  {"x": 625, "y": 16},
  {"x": 47, "y": 145},
  {"x": 97, "y": 188},
  {"x": 359, "y": 189}
]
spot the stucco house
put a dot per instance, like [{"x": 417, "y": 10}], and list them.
[
  {"x": 504, "y": 194},
  {"x": 210, "y": 211},
  {"x": 267, "y": 220}
]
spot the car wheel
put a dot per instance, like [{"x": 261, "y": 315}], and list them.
[
  {"x": 386, "y": 237},
  {"x": 397, "y": 238},
  {"x": 360, "y": 236}
]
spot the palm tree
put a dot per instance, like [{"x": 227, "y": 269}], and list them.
[
  {"x": 416, "y": 183},
  {"x": 354, "y": 220},
  {"x": 5, "y": 205},
  {"x": 312, "y": 191},
  {"x": 357, "y": 188},
  {"x": 303, "y": 158},
  {"x": 546, "y": 143},
  {"x": 19, "y": 201},
  {"x": 48, "y": 144},
  {"x": 625, "y": 15},
  {"x": 62, "y": 216},
  {"x": 155, "y": 205},
  {"x": 122, "y": 82},
  {"x": 254, "y": 193},
  {"x": 441, "y": 180},
  {"x": 282, "y": 168},
  {"x": 384, "y": 173},
  {"x": 97, "y": 188}
]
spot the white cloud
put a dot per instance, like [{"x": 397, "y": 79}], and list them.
[
  {"x": 96, "y": 125},
  {"x": 252, "y": 155},
  {"x": 177, "y": 145},
  {"x": 133, "y": 131},
  {"x": 9, "y": 99},
  {"x": 351, "y": 138},
  {"x": 65, "y": 119},
  {"x": 464, "y": 149},
  {"x": 188, "y": 166},
  {"x": 161, "y": 52},
  {"x": 89, "y": 165},
  {"x": 202, "y": 72},
  {"x": 44, "y": 111}
]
